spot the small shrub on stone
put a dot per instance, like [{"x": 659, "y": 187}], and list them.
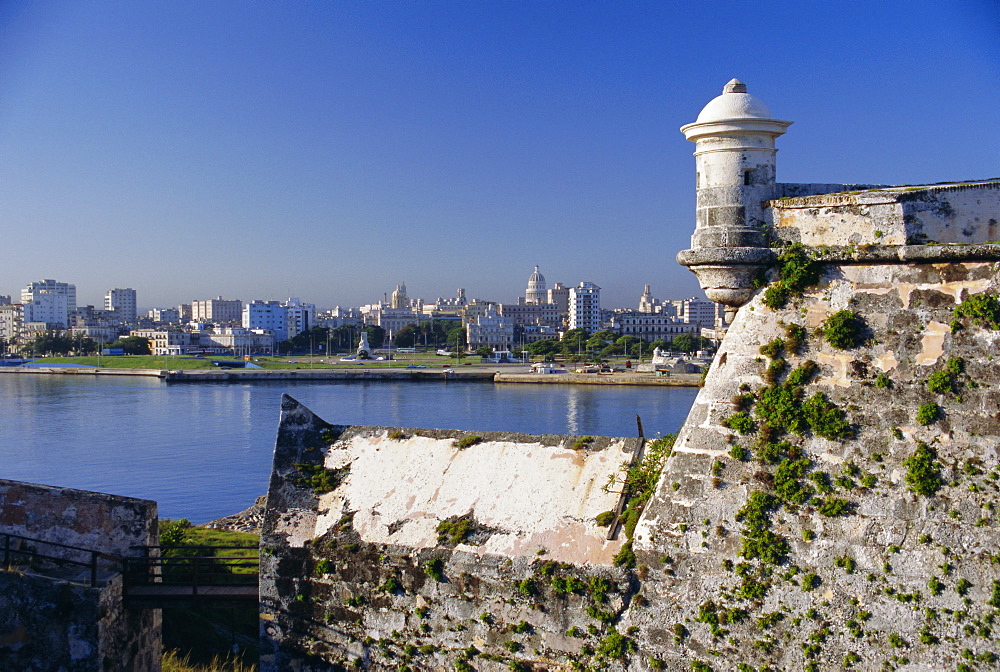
[
  {"x": 928, "y": 413},
  {"x": 979, "y": 309},
  {"x": 810, "y": 581},
  {"x": 455, "y": 530},
  {"x": 392, "y": 586},
  {"x": 526, "y": 587},
  {"x": 435, "y": 569},
  {"x": 467, "y": 441},
  {"x": 825, "y": 419},
  {"x": 740, "y": 422},
  {"x": 773, "y": 349},
  {"x": 844, "y": 330},
  {"x": 616, "y": 646},
  {"x": 605, "y": 518},
  {"x": 739, "y": 453},
  {"x": 796, "y": 271},
  {"x": 923, "y": 472},
  {"x": 795, "y": 337},
  {"x": 834, "y": 506}
]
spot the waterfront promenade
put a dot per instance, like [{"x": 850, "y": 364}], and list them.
[{"x": 478, "y": 374}]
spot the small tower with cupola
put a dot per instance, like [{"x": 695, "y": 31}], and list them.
[{"x": 735, "y": 167}]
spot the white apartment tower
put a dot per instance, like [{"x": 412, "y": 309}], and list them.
[
  {"x": 122, "y": 302},
  {"x": 49, "y": 286},
  {"x": 285, "y": 320},
  {"x": 47, "y": 307},
  {"x": 585, "y": 307},
  {"x": 217, "y": 311},
  {"x": 300, "y": 316}
]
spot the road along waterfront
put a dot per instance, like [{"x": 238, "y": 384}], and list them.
[
  {"x": 204, "y": 451},
  {"x": 483, "y": 375}
]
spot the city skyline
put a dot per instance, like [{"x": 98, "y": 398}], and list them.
[
  {"x": 16, "y": 295},
  {"x": 335, "y": 150}
]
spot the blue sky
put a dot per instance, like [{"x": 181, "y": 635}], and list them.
[{"x": 329, "y": 150}]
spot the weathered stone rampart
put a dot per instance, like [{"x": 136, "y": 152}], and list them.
[
  {"x": 51, "y": 617},
  {"x": 839, "y": 556},
  {"x": 385, "y": 545},
  {"x": 813, "y": 514}
]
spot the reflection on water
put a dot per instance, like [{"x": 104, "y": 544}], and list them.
[{"x": 204, "y": 450}]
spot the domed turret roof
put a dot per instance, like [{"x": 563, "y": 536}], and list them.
[
  {"x": 735, "y": 112},
  {"x": 536, "y": 276},
  {"x": 734, "y": 103}
]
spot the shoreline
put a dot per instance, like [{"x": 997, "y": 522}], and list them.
[{"x": 419, "y": 375}]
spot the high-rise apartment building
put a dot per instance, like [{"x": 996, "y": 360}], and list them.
[
  {"x": 122, "y": 302},
  {"x": 48, "y": 286},
  {"x": 47, "y": 308},
  {"x": 585, "y": 307},
  {"x": 285, "y": 320},
  {"x": 217, "y": 311}
]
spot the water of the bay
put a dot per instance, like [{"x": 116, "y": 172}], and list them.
[{"x": 204, "y": 450}]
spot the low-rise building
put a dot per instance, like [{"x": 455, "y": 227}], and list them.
[
  {"x": 167, "y": 341},
  {"x": 218, "y": 311},
  {"x": 164, "y": 315},
  {"x": 651, "y": 326},
  {"x": 536, "y": 314},
  {"x": 490, "y": 330},
  {"x": 237, "y": 340}
]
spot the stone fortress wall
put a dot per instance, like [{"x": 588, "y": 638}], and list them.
[
  {"x": 52, "y": 621},
  {"x": 829, "y": 503}
]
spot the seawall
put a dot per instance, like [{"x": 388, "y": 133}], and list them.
[{"x": 401, "y": 374}]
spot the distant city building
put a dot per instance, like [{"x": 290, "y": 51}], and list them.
[
  {"x": 217, "y": 311},
  {"x": 122, "y": 302},
  {"x": 399, "y": 299},
  {"x": 237, "y": 340},
  {"x": 490, "y": 330},
  {"x": 48, "y": 308},
  {"x": 52, "y": 288},
  {"x": 184, "y": 313},
  {"x": 4, "y": 300},
  {"x": 530, "y": 333},
  {"x": 99, "y": 334},
  {"x": 164, "y": 315},
  {"x": 707, "y": 314},
  {"x": 270, "y": 315},
  {"x": 339, "y": 317},
  {"x": 536, "y": 292},
  {"x": 284, "y": 320},
  {"x": 300, "y": 317},
  {"x": 647, "y": 304},
  {"x": 477, "y": 308},
  {"x": 536, "y": 314},
  {"x": 585, "y": 307},
  {"x": 651, "y": 326},
  {"x": 11, "y": 323},
  {"x": 446, "y": 308},
  {"x": 559, "y": 295}
]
